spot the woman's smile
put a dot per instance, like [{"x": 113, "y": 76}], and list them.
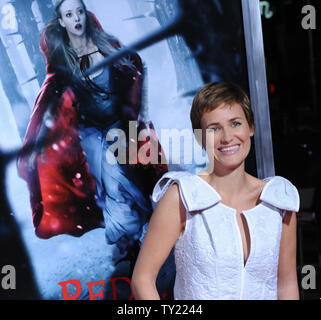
[{"x": 229, "y": 150}]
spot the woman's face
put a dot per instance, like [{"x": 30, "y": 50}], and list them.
[
  {"x": 228, "y": 136},
  {"x": 73, "y": 17}
]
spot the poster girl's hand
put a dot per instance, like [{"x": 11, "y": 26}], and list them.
[{"x": 33, "y": 158}]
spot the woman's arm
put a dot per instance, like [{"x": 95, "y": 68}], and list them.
[
  {"x": 287, "y": 273},
  {"x": 166, "y": 225}
]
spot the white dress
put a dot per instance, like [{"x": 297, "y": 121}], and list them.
[{"x": 209, "y": 254}]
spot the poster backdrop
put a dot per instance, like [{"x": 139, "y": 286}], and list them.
[{"x": 208, "y": 46}]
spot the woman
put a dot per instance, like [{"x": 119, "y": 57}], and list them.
[
  {"x": 73, "y": 186},
  {"x": 234, "y": 234}
]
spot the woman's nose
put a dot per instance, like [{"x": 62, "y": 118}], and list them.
[
  {"x": 227, "y": 136},
  {"x": 77, "y": 17}
]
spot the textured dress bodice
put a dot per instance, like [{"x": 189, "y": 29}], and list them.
[{"x": 209, "y": 254}]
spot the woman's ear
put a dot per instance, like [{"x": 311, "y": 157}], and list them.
[
  {"x": 61, "y": 23},
  {"x": 252, "y": 129}
]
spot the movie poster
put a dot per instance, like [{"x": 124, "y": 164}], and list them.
[{"x": 206, "y": 44}]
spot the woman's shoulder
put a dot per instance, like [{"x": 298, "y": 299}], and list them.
[
  {"x": 281, "y": 193},
  {"x": 167, "y": 180},
  {"x": 181, "y": 178},
  {"x": 193, "y": 192}
]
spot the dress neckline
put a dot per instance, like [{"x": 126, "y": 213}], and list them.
[
  {"x": 225, "y": 205},
  {"x": 88, "y": 54},
  {"x": 245, "y": 262}
]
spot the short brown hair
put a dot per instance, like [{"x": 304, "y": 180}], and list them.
[{"x": 213, "y": 95}]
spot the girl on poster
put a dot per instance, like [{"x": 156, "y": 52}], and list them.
[
  {"x": 73, "y": 188},
  {"x": 234, "y": 234}
]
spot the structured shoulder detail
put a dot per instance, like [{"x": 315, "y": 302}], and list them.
[
  {"x": 281, "y": 193},
  {"x": 195, "y": 196}
]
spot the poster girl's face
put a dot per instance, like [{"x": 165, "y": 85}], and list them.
[
  {"x": 228, "y": 136},
  {"x": 73, "y": 17}
]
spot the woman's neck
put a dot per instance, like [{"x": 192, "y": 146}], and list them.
[
  {"x": 229, "y": 182},
  {"x": 82, "y": 45}
]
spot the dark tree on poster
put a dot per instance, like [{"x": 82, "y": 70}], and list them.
[
  {"x": 28, "y": 29},
  {"x": 213, "y": 30},
  {"x": 19, "y": 104}
]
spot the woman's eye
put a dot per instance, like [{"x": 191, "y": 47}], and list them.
[
  {"x": 81, "y": 11},
  {"x": 213, "y": 129},
  {"x": 236, "y": 124},
  {"x": 68, "y": 15}
]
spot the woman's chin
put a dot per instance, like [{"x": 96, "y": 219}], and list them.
[
  {"x": 227, "y": 164},
  {"x": 77, "y": 33}
]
